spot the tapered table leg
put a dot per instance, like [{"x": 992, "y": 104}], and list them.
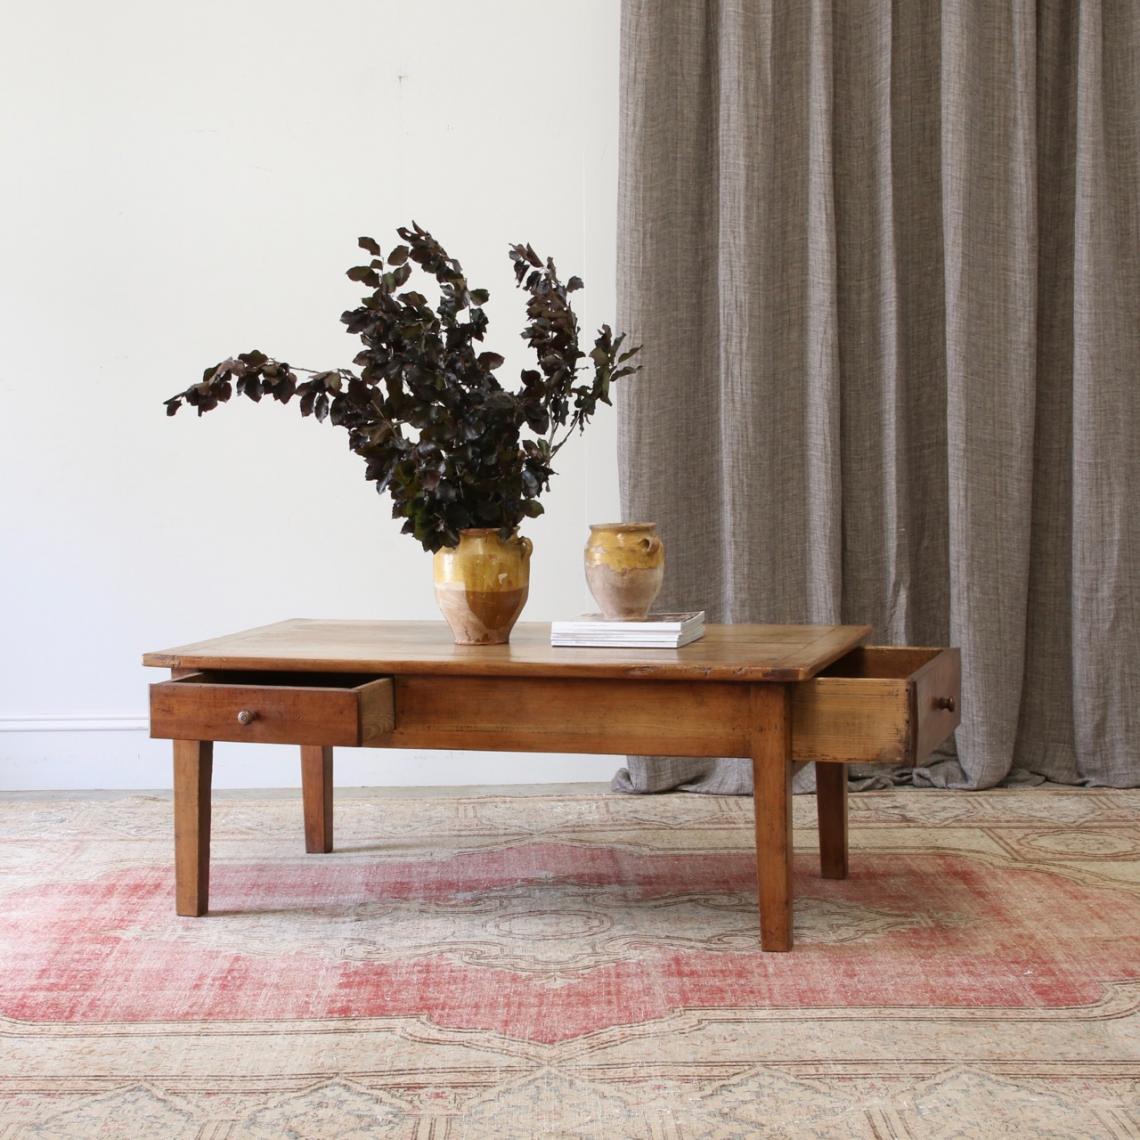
[
  {"x": 772, "y": 787},
  {"x": 317, "y": 793},
  {"x": 831, "y": 808},
  {"x": 193, "y": 769}
]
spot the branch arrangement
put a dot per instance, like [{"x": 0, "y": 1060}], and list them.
[{"x": 425, "y": 410}]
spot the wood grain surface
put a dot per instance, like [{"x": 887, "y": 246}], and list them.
[
  {"x": 271, "y": 711},
  {"x": 193, "y": 771},
  {"x": 771, "y": 753},
  {"x": 881, "y": 704},
  {"x": 831, "y": 813},
  {"x": 775, "y": 694},
  {"x": 726, "y": 652},
  {"x": 876, "y": 705},
  {"x": 317, "y": 798}
]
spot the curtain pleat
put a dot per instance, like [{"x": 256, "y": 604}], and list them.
[
  {"x": 883, "y": 261},
  {"x": 989, "y": 172},
  {"x": 1106, "y": 393}
]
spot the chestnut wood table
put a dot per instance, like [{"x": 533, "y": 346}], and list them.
[{"x": 775, "y": 694}]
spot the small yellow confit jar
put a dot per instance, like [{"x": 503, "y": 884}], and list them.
[{"x": 625, "y": 566}]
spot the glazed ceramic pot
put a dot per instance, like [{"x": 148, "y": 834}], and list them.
[
  {"x": 625, "y": 566},
  {"x": 481, "y": 585}
]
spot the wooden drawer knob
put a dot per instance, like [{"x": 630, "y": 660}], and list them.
[
  {"x": 247, "y": 716},
  {"x": 946, "y": 703}
]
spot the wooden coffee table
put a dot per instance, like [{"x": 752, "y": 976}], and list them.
[{"x": 775, "y": 694}]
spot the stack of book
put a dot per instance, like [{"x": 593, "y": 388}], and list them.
[{"x": 658, "y": 631}]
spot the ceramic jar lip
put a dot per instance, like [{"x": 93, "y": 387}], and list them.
[
  {"x": 624, "y": 526},
  {"x": 483, "y": 532},
  {"x": 484, "y": 543}
]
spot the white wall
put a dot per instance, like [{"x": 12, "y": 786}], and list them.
[{"x": 184, "y": 181}]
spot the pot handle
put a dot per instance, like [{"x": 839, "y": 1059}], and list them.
[
  {"x": 526, "y": 544},
  {"x": 650, "y": 545}
]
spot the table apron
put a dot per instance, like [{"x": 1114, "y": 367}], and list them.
[{"x": 537, "y": 714}]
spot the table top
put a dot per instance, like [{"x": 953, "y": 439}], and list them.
[{"x": 725, "y": 653}]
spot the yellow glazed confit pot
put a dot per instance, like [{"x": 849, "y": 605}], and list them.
[
  {"x": 625, "y": 566},
  {"x": 481, "y": 585}
]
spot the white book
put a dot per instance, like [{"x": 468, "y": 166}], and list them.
[
  {"x": 586, "y": 642},
  {"x": 653, "y": 624},
  {"x": 658, "y": 631}
]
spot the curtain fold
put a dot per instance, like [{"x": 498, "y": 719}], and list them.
[{"x": 882, "y": 258}]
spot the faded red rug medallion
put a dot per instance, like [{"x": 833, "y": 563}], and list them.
[{"x": 549, "y": 920}]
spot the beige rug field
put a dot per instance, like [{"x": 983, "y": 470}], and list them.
[{"x": 573, "y": 965}]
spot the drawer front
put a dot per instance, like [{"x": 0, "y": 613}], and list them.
[
  {"x": 885, "y": 705},
  {"x": 937, "y": 701},
  {"x": 274, "y": 710}
]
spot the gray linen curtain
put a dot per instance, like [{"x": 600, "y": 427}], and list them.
[{"x": 884, "y": 259}]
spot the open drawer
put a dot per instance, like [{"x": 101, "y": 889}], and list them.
[
  {"x": 879, "y": 704},
  {"x": 273, "y": 708}
]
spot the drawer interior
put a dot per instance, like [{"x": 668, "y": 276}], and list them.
[
  {"x": 884, "y": 661},
  {"x": 278, "y": 680}
]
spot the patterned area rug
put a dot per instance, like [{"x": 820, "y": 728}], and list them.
[{"x": 573, "y": 966}]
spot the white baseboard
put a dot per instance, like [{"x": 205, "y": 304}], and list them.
[
  {"x": 73, "y": 724},
  {"x": 72, "y": 753}
]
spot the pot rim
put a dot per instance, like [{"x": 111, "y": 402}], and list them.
[{"x": 624, "y": 526}]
